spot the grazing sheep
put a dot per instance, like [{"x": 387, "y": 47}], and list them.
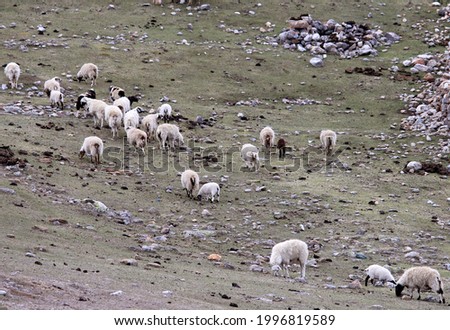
[
  {"x": 165, "y": 112},
  {"x": 126, "y": 102},
  {"x": 281, "y": 146},
  {"x": 328, "y": 140},
  {"x": 150, "y": 125},
  {"x": 96, "y": 108},
  {"x": 157, "y": 2},
  {"x": 51, "y": 85},
  {"x": 190, "y": 181},
  {"x": 376, "y": 272},
  {"x": 12, "y": 72},
  {"x": 267, "y": 137},
  {"x": 115, "y": 93},
  {"x": 57, "y": 99},
  {"x": 93, "y": 147},
  {"x": 420, "y": 278},
  {"x": 113, "y": 116},
  {"x": 210, "y": 190},
  {"x": 137, "y": 138},
  {"x": 90, "y": 94},
  {"x": 169, "y": 134},
  {"x": 250, "y": 155},
  {"x": 286, "y": 252},
  {"x": 88, "y": 71},
  {"x": 131, "y": 118}
]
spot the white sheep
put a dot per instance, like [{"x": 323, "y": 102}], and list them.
[
  {"x": 250, "y": 155},
  {"x": 90, "y": 94},
  {"x": 93, "y": 147},
  {"x": 150, "y": 125},
  {"x": 137, "y": 138},
  {"x": 328, "y": 139},
  {"x": 165, "y": 112},
  {"x": 210, "y": 191},
  {"x": 52, "y": 85},
  {"x": 190, "y": 181},
  {"x": 131, "y": 118},
  {"x": 420, "y": 278},
  {"x": 88, "y": 71},
  {"x": 286, "y": 252},
  {"x": 267, "y": 137},
  {"x": 377, "y": 272},
  {"x": 169, "y": 134},
  {"x": 12, "y": 72},
  {"x": 57, "y": 99},
  {"x": 115, "y": 93},
  {"x": 126, "y": 102},
  {"x": 113, "y": 116},
  {"x": 96, "y": 108}
]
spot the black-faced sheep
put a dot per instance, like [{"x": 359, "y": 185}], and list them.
[
  {"x": 250, "y": 155},
  {"x": 57, "y": 99},
  {"x": 12, "y": 72},
  {"x": 377, "y": 272},
  {"x": 96, "y": 108},
  {"x": 115, "y": 93},
  {"x": 420, "y": 278},
  {"x": 51, "y": 85},
  {"x": 286, "y": 252},
  {"x": 190, "y": 181},
  {"x": 281, "y": 146},
  {"x": 93, "y": 147},
  {"x": 328, "y": 139},
  {"x": 267, "y": 137},
  {"x": 90, "y": 94},
  {"x": 165, "y": 112},
  {"x": 169, "y": 134},
  {"x": 113, "y": 116},
  {"x": 88, "y": 71},
  {"x": 210, "y": 191},
  {"x": 150, "y": 125},
  {"x": 137, "y": 138}
]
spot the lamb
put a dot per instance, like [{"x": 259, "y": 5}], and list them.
[
  {"x": 88, "y": 71},
  {"x": 90, "y": 94},
  {"x": 210, "y": 190},
  {"x": 170, "y": 134},
  {"x": 165, "y": 112},
  {"x": 92, "y": 146},
  {"x": 286, "y": 252},
  {"x": 137, "y": 138},
  {"x": 95, "y": 108},
  {"x": 113, "y": 115},
  {"x": 281, "y": 146},
  {"x": 52, "y": 84},
  {"x": 12, "y": 72},
  {"x": 150, "y": 124},
  {"x": 131, "y": 118},
  {"x": 126, "y": 102},
  {"x": 115, "y": 93},
  {"x": 250, "y": 155},
  {"x": 376, "y": 272},
  {"x": 420, "y": 278},
  {"x": 57, "y": 98},
  {"x": 190, "y": 181},
  {"x": 328, "y": 140},
  {"x": 267, "y": 137}
]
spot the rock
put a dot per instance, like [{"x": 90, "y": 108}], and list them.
[
  {"x": 412, "y": 254},
  {"x": 360, "y": 255},
  {"x": 316, "y": 62},
  {"x": 356, "y": 284},
  {"x": 206, "y": 213},
  {"x": 214, "y": 257},
  {"x": 3, "y": 293},
  {"x": 256, "y": 268},
  {"x": 116, "y": 293},
  {"x": 7, "y": 191},
  {"x": 129, "y": 262},
  {"x": 413, "y": 166}
]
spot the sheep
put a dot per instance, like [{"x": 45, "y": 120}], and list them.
[
  {"x": 328, "y": 140},
  {"x": 57, "y": 99},
  {"x": 90, "y": 94},
  {"x": 92, "y": 146},
  {"x": 250, "y": 155},
  {"x": 126, "y": 102},
  {"x": 420, "y": 278},
  {"x": 88, "y": 71},
  {"x": 115, "y": 93},
  {"x": 376, "y": 272},
  {"x": 150, "y": 124},
  {"x": 95, "y": 108},
  {"x": 12, "y": 72},
  {"x": 170, "y": 134},
  {"x": 52, "y": 84},
  {"x": 281, "y": 146},
  {"x": 165, "y": 112},
  {"x": 157, "y": 2},
  {"x": 267, "y": 137},
  {"x": 131, "y": 118},
  {"x": 190, "y": 181},
  {"x": 210, "y": 190},
  {"x": 113, "y": 116},
  {"x": 137, "y": 138},
  {"x": 286, "y": 252}
]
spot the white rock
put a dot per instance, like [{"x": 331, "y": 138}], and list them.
[{"x": 316, "y": 62}]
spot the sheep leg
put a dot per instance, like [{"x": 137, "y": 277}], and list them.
[
  {"x": 286, "y": 270},
  {"x": 418, "y": 291},
  {"x": 367, "y": 279}
]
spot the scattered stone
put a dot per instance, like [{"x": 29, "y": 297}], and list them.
[
  {"x": 7, "y": 191},
  {"x": 129, "y": 262},
  {"x": 214, "y": 257},
  {"x": 316, "y": 62},
  {"x": 256, "y": 268}
]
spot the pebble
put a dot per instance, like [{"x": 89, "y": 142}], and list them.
[
  {"x": 116, "y": 293},
  {"x": 7, "y": 190}
]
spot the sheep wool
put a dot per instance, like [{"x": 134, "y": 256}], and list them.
[
  {"x": 150, "y": 125},
  {"x": 131, "y": 118},
  {"x": 52, "y": 84},
  {"x": 169, "y": 134},
  {"x": 190, "y": 181},
  {"x": 93, "y": 147},
  {"x": 267, "y": 137},
  {"x": 250, "y": 155},
  {"x": 137, "y": 138},
  {"x": 210, "y": 190},
  {"x": 284, "y": 253},
  {"x": 88, "y": 71},
  {"x": 12, "y": 72},
  {"x": 328, "y": 139},
  {"x": 377, "y": 272},
  {"x": 113, "y": 116},
  {"x": 126, "y": 102},
  {"x": 57, "y": 99},
  {"x": 115, "y": 93},
  {"x": 96, "y": 108},
  {"x": 421, "y": 278},
  {"x": 165, "y": 112}
]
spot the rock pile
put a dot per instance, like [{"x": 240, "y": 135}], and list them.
[{"x": 347, "y": 39}]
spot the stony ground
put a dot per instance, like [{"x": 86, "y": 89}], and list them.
[{"x": 153, "y": 248}]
